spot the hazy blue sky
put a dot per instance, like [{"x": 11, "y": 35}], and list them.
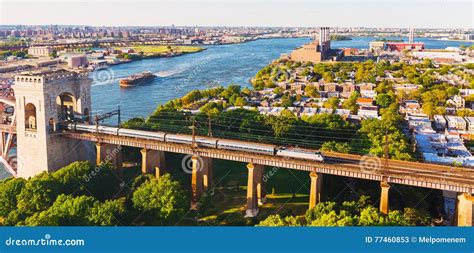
[{"x": 369, "y": 13}]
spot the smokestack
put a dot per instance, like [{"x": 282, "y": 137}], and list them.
[
  {"x": 323, "y": 31},
  {"x": 321, "y": 35},
  {"x": 411, "y": 35}
]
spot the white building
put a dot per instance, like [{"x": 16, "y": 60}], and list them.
[
  {"x": 368, "y": 112},
  {"x": 418, "y": 121},
  {"x": 40, "y": 51},
  {"x": 456, "y": 123},
  {"x": 470, "y": 123},
  {"x": 308, "y": 111},
  {"x": 440, "y": 122},
  {"x": 456, "y": 57}
]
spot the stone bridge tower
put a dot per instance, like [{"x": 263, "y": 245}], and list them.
[{"x": 43, "y": 100}]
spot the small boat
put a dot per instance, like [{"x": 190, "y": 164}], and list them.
[{"x": 137, "y": 79}]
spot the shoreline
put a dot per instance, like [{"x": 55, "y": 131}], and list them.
[{"x": 155, "y": 57}]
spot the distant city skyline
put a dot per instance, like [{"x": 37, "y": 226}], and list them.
[{"x": 299, "y": 13}]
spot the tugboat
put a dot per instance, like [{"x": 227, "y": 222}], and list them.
[{"x": 137, "y": 79}]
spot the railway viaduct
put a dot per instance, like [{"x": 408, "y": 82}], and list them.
[{"x": 43, "y": 99}]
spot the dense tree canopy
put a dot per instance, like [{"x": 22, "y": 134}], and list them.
[
  {"x": 83, "y": 194},
  {"x": 350, "y": 213}
]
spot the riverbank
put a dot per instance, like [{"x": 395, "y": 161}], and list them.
[{"x": 135, "y": 53}]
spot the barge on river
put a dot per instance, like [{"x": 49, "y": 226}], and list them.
[{"x": 137, "y": 79}]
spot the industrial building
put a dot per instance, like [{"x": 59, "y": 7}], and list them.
[{"x": 315, "y": 51}]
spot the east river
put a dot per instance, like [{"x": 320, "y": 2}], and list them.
[{"x": 217, "y": 65}]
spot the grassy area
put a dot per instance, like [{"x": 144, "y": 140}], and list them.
[{"x": 160, "y": 49}]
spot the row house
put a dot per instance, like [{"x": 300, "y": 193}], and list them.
[
  {"x": 365, "y": 101},
  {"x": 456, "y": 123},
  {"x": 347, "y": 89},
  {"x": 440, "y": 122},
  {"x": 457, "y": 101},
  {"x": 418, "y": 122},
  {"x": 410, "y": 107},
  {"x": 470, "y": 123},
  {"x": 298, "y": 88},
  {"x": 407, "y": 87},
  {"x": 368, "y": 112},
  {"x": 365, "y": 86}
]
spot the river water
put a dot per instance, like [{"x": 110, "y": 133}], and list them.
[{"x": 221, "y": 65}]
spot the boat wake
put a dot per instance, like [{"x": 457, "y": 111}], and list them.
[{"x": 172, "y": 72}]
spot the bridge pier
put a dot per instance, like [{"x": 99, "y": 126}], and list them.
[
  {"x": 255, "y": 174},
  {"x": 385, "y": 187},
  {"x": 465, "y": 210},
  {"x": 153, "y": 161},
  {"x": 109, "y": 153},
  {"x": 261, "y": 194},
  {"x": 207, "y": 174},
  {"x": 315, "y": 191},
  {"x": 196, "y": 181}
]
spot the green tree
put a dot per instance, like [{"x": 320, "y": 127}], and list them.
[
  {"x": 66, "y": 210},
  {"x": 336, "y": 147},
  {"x": 240, "y": 101},
  {"x": 351, "y": 102},
  {"x": 311, "y": 91},
  {"x": 331, "y": 103},
  {"x": 9, "y": 190},
  {"x": 333, "y": 219},
  {"x": 328, "y": 77},
  {"x": 191, "y": 97},
  {"x": 161, "y": 199},
  {"x": 465, "y": 113},
  {"x": 322, "y": 208},
  {"x": 38, "y": 194},
  {"x": 370, "y": 216},
  {"x": 84, "y": 178},
  {"x": 374, "y": 131},
  {"x": 278, "y": 91},
  {"x": 108, "y": 213},
  {"x": 384, "y": 100},
  {"x": 277, "y": 221},
  {"x": 281, "y": 124}
]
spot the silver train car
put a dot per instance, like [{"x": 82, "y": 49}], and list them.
[
  {"x": 202, "y": 141},
  {"x": 245, "y": 146},
  {"x": 300, "y": 154},
  {"x": 188, "y": 139},
  {"x": 157, "y": 136}
]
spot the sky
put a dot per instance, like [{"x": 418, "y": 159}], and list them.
[{"x": 290, "y": 13}]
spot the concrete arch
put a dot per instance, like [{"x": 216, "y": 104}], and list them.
[
  {"x": 67, "y": 106},
  {"x": 30, "y": 116}
]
